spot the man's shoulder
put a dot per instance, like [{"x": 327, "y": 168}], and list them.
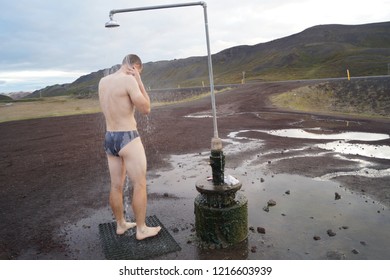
[{"x": 104, "y": 79}]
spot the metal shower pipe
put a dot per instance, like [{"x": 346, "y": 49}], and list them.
[{"x": 210, "y": 64}]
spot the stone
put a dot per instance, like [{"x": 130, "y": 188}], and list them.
[
  {"x": 354, "y": 251},
  {"x": 175, "y": 230},
  {"x": 261, "y": 230},
  {"x": 330, "y": 232},
  {"x": 271, "y": 202}
]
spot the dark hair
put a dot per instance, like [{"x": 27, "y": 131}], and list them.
[{"x": 131, "y": 59}]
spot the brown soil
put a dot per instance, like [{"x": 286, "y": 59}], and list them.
[{"x": 53, "y": 171}]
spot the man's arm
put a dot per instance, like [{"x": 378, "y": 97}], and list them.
[{"x": 138, "y": 94}]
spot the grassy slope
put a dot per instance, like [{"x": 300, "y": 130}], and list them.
[
  {"x": 48, "y": 107},
  {"x": 68, "y": 105},
  {"x": 363, "y": 97}
]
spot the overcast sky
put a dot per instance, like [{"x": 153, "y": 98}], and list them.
[{"x": 45, "y": 42}]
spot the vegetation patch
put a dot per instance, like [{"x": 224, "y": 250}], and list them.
[
  {"x": 47, "y": 107},
  {"x": 78, "y": 105},
  {"x": 365, "y": 97}
]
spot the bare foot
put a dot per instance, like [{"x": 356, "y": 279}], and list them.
[
  {"x": 121, "y": 229},
  {"x": 147, "y": 232}
]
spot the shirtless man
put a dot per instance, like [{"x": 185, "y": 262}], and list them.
[{"x": 120, "y": 94}]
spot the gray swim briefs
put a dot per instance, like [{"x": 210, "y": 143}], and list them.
[{"x": 115, "y": 140}]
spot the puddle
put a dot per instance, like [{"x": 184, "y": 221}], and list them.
[
  {"x": 316, "y": 134},
  {"x": 198, "y": 116},
  {"x": 305, "y": 208},
  {"x": 341, "y": 147}
]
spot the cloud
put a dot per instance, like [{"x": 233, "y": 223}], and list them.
[{"x": 30, "y": 80}]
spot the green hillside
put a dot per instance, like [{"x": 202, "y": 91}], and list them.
[
  {"x": 324, "y": 51},
  {"x": 364, "y": 96}
]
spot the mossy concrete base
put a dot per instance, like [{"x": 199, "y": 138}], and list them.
[{"x": 221, "y": 214}]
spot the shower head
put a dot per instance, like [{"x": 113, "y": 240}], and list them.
[{"x": 111, "y": 23}]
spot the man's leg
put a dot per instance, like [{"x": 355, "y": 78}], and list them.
[
  {"x": 118, "y": 175},
  {"x": 135, "y": 161}
]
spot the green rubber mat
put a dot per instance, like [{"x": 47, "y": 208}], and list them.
[{"x": 127, "y": 247}]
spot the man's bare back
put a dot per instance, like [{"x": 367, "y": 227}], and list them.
[{"x": 119, "y": 95}]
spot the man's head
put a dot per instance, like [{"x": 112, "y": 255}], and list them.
[{"x": 132, "y": 60}]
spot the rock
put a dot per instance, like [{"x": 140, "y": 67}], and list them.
[
  {"x": 316, "y": 238},
  {"x": 271, "y": 202},
  {"x": 262, "y": 180},
  {"x": 287, "y": 192},
  {"x": 175, "y": 230},
  {"x": 261, "y": 230},
  {"x": 363, "y": 243},
  {"x": 354, "y": 251},
  {"x": 337, "y": 196},
  {"x": 252, "y": 229},
  {"x": 266, "y": 208},
  {"x": 330, "y": 232},
  {"x": 253, "y": 249}
]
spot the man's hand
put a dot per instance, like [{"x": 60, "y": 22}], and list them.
[{"x": 135, "y": 72}]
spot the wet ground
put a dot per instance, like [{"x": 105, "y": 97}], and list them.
[{"x": 329, "y": 177}]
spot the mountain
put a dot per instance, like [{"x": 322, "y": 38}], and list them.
[
  {"x": 323, "y": 51},
  {"x": 18, "y": 95},
  {"x": 82, "y": 87},
  {"x": 5, "y": 98}
]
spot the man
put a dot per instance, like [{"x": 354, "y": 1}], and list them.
[{"x": 120, "y": 94}]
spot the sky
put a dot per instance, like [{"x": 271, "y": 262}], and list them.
[{"x": 46, "y": 42}]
